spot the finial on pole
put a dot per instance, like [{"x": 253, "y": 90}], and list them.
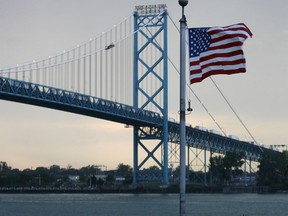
[{"x": 183, "y": 3}]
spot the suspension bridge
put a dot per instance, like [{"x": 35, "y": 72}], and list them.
[{"x": 122, "y": 76}]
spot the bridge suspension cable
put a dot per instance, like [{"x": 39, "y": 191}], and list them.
[
  {"x": 88, "y": 68},
  {"x": 100, "y": 67},
  {"x": 235, "y": 113}
]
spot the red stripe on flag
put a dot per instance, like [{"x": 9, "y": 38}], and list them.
[
  {"x": 217, "y": 72},
  {"x": 221, "y": 55},
  {"x": 228, "y": 45},
  {"x": 226, "y": 37}
]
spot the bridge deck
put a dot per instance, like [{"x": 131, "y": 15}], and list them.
[{"x": 44, "y": 96}]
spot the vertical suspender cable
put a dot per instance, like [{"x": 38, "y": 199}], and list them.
[
  {"x": 121, "y": 64},
  {"x": 48, "y": 71},
  {"x": 30, "y": 73},
  {"x": 84, "y": 69},
  {"x": 23, "y": 73},
  {"x": 96, "y": 67},
  {"x": 44, "y": 69},
  {"x": 62, "y": 74},
  {"x": 61, "y": 71},
  {"x": 51, "y": 71},
  {"x": 66, "y": 71},
  {"x": 129, "y": 77},
  {"x": 78, "y": 69},
  {"x": 116, "y": 66},
  {"x": 90, "y": 66},
  {"x": 16, "y": 73},
  {"x": 73, "y": 71},
  {"x": 106, "y": 68},
  {"x": 101, "y": 65},
  {"x": 69, "y": 68},
  {"x": 55, "y": 75},
  {"x": 125, "y": 66},
  {"x": 111, "y": 68},
  {"x": 54, "y": 72},
  {"x": 37, "y": 73}
]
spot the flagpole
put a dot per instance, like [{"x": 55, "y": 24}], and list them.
[{"x": 183, "y": 25}]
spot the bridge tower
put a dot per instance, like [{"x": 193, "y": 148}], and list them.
[{"x": 150, "y": 90}]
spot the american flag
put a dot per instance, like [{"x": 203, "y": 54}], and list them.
[{"x": 216, "y": 50}]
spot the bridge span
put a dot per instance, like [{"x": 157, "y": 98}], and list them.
[{"x": 59, "y": 99}]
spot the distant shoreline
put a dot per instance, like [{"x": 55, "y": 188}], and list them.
[{"x": 225, "y": 190}]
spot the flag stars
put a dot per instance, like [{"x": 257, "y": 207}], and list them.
[{"x": 199, "y": 41}]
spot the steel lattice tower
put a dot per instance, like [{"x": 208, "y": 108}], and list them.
[{"x": 150, "y": 25}]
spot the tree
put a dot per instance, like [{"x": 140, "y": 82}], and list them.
[
  {"x": 124, "y": 170},
  {"x": 232, "y": 165},
  {"x": 216, "y": 168},
  {"x": 42, "y": 177},
  {"x": 272, "y": 169},
  {"x": 4, "y": 166},
  {"x": 55, "y": 169},
  {"x": 100, "y": 183},
  {"x": 223, "y": 168},
  {"x": 176, "y": 172},
  {"x": 110, "y": 178}
]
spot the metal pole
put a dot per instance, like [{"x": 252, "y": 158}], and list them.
[
  {"x": 135, "y": 99},
  {"x": 165, "y": 101},
  {"x": 205, "y": 177},
  {"x": 250, "y": 171},
  {"x": 183, "y": 25},
  {"x": 245, "y": 172}
]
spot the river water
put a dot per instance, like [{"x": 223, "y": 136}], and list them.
[{"x": 142, "y": 204}]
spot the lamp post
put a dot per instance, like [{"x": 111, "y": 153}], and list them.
[{"x": 182, "y": 186}]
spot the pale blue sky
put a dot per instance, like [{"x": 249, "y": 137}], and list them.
[{"x": 32, "y": 29}]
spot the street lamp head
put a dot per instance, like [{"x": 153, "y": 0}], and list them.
[{"x": 183, "y": 3}]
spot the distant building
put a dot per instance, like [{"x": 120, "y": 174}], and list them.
[
  {"x": 119, "y": 179},
  {"x": 74, "y": 178},
  {"x": 103, "y": 177}
]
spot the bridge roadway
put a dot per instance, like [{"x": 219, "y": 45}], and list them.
[{"x": 59, "y": 99}]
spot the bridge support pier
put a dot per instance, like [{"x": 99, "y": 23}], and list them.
[{"x": 150, "y": 89}]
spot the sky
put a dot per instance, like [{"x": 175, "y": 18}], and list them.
[{"x": 31, "y": 29}]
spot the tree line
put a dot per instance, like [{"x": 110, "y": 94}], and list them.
[
  {"x": 57, "y": 177},
  {"x": 223, "y": 170}
]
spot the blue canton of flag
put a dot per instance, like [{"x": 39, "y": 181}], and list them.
[{"x": 200, "y": 41}]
